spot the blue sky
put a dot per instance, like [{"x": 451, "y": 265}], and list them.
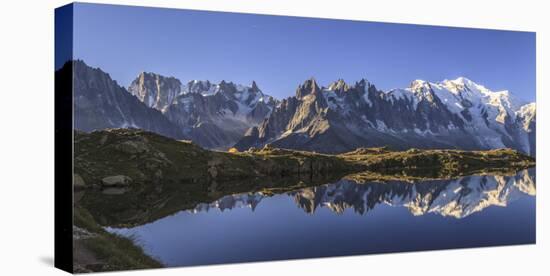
[{"x": 279, "y": 53}]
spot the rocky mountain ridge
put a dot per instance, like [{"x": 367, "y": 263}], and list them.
[
  {"x": 100, "y": 103},
  {"x": 213, "y": 115},
  {"x": 449, "y": 114},
  {"x": 333, "y": 119}
]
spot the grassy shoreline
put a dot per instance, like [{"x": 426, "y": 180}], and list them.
[{"x": 98, "y": 250}]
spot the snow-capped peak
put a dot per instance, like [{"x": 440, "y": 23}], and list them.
[
  {"x": 206, "y": 88},
  {"x": 464, "y": 81},
  {"x": 462, "y": 84},
  {"x": 418, "y": 83},
  {"x": 527, "y": 114},
  {"x": 245, "y": 96}
]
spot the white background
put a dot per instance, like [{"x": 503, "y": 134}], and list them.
[{"x": 27, "y": 140}]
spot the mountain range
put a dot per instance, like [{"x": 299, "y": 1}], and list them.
[
  {"x": 212, "y": 115},
  {"x": 449, "y": 114},
  {"x": 100, "y": 103},
  {"x": 340, "y": 117}
]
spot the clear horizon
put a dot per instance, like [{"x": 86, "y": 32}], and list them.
[{"x": 280, "y": 52}]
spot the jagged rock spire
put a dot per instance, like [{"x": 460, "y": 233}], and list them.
[
  {"x": 363, "y": 82},
  {"x": 227, "y": 87},
  {"x": 254, "y": 87},
  {"x": 340, "y": 85},
  {"x": 310, "y": 86}
]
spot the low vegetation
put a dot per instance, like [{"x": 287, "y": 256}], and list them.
[
  {"x": 442, "y": 162},
  {"x": 99, "y": 250}
]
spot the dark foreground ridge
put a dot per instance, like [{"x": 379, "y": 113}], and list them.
[
  {"x": 137, "y": 157},
  {"x": 146, "y": 157},
  {"x": 129, "y": 177}
]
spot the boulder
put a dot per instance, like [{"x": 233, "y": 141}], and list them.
[
  {"x": 116, "y": 180},
  {"x": 78, "y": 182}
]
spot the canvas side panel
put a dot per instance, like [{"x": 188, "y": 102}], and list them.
[{"x": 64, "y": 138}]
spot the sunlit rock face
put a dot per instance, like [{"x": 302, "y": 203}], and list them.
[
  {"x": 457, "y": 198},
  {"x": 154, "y": 90},
  {"x": 448, "y": 114}
]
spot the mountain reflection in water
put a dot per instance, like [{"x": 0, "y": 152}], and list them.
[
  {"x": 346, "y": 218},
  {"x": 457, "y": 198}
]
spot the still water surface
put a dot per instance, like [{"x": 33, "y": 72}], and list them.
[{"x": 347, "y": 218}]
